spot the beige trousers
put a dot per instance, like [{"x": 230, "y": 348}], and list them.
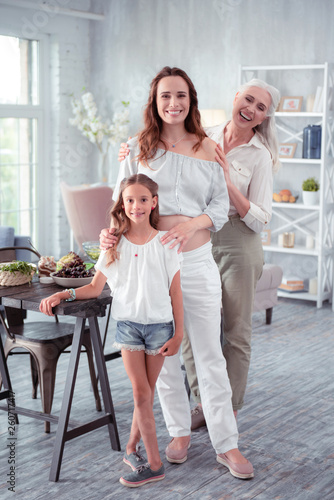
[{"x": 238, "y": 253}]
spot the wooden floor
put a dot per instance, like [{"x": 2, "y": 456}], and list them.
[{"x": 286, "y": 427}]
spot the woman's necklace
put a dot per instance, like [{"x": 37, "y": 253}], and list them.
[
  {"x": 173, "y": 144},
  {"x": 149, "y": 236}
]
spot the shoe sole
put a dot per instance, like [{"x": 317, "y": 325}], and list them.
[
  {"x": 233, "y": 472},
  {"x": 129, "y": 464},
  {"x": 175, "y": 460},
  {"x": 141, "y": 483}
]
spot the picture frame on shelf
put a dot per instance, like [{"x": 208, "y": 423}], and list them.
[
  {"x": 291, "y": 104},
  {"x": 266, "y": 237},
  {"x": 287, "y": 149}
]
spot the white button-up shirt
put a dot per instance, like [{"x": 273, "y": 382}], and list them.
[{"x": 251, "y": 172}]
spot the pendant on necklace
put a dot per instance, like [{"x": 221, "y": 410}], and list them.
[
  {"x": 173, "y": 145},
  {"x": 149, "y": 236}
]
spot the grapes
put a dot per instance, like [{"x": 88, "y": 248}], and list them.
[
  {"x": 72, "y": 266},
  {"x": 74, "y": 272}
]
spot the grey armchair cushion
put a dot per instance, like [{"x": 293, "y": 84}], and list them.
[
  {"x": 8, "y": 239},
  {"x": 6, "y": 236},
  {"x": 23, "y": 241}
]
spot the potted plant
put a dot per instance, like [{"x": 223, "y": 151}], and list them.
[{"x": 311, "y": 191}]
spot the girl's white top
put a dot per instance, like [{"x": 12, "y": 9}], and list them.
[
  {"x": 187, "y": 186},
  {"x": 140, "y": 284}
]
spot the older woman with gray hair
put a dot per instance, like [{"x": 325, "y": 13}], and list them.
[{"x": 248, "y": 153}]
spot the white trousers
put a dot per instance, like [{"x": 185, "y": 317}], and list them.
[{"x": 201, "y": 290}]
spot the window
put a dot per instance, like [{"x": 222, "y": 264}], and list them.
[{"x": 21, "y": 125}]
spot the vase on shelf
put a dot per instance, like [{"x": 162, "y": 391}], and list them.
[
  {"x": 103, "y": 168},
  {"x": 311, "y": 197}
]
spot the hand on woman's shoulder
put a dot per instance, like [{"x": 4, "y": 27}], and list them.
[{"x": 132, "y": 142}]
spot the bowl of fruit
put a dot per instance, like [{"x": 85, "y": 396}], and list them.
[
  {"x": 285, "y": 196},
  {"x": 72, "y": 271},
  {"x": 92, "y": 250}
]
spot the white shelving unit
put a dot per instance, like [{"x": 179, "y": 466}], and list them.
[{"x": 317, "y": 221}]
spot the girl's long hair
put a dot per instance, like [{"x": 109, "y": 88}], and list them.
[
  {"x": 121, "y": 222},
  {"x": 267, "y": 129},
  {"x": 149, "y": 137}
]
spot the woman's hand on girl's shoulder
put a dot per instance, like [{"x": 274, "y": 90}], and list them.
[{"x": 107, "y": 238}]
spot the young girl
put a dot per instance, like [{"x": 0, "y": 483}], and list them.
[{"x": 144, "y": 277}]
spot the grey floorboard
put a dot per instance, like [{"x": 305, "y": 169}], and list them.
[{"x": 286, "y": 427}]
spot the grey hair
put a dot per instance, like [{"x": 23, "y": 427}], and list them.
[{"x": 267, "y": 129}]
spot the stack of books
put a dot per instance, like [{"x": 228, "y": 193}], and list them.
[{"x": 291, "y": 284}]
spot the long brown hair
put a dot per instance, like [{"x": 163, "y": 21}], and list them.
[
  {"x": 149, "y": 137},
  {"x": 120, "y": 221}
]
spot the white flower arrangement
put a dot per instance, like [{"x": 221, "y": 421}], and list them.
[{"x": 92, "y": 126}]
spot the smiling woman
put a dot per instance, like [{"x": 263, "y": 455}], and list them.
[
  {"x": 174, "y": 151},
  {"x": 248, "y": 154}
]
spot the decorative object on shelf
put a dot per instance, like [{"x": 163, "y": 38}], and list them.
[
  {"x": 101, "y": 133},
  {"x": 287, "y": 150},
  {"x": 292, "y": 284},
  {"x": 312, "y": 142},
  {"x": 318, "y": 100},
  {"x": 311, "y": 191},
  {"x": 310, "y": 103},
  {"x": 313, "y": 286},
  {"x": 285, "y": 196},
  {"x": 280, "y": 239},
  {"x": 291, "y": 103},
  {"x": 266, "y": 237},
  {"x": 309, "y": 241},
  {"x": 288, "y": 240}
]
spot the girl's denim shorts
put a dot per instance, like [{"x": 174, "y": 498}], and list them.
[{"x": 138, "y": 337}]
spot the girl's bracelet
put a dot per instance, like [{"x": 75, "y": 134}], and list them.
[{"x": 72, "y": 296}]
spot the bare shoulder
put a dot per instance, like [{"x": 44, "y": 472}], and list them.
[
  {"x": 206, "y": 150},
  {"x": 208, "y": 147}
]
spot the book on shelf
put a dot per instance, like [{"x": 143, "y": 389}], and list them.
[
  {"x": 291, "y": 288},
  {"x": 292, "y": 281}
]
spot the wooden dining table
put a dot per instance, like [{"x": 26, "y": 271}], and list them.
[{"x": 27, "y": 297}]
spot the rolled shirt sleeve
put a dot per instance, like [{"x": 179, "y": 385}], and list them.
[
  {"x": 260, "y": 198},
  {"x": 219, "y": 205}
]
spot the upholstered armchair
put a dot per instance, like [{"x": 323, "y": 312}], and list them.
[{"x": 87, "y": 209}]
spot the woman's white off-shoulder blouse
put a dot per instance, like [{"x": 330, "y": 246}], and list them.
[{"x": 187, "y": 186}]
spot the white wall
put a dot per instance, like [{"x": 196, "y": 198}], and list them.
[
  {"x": 118, "y": 57},
  {"x": 208, "y": 39}
]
